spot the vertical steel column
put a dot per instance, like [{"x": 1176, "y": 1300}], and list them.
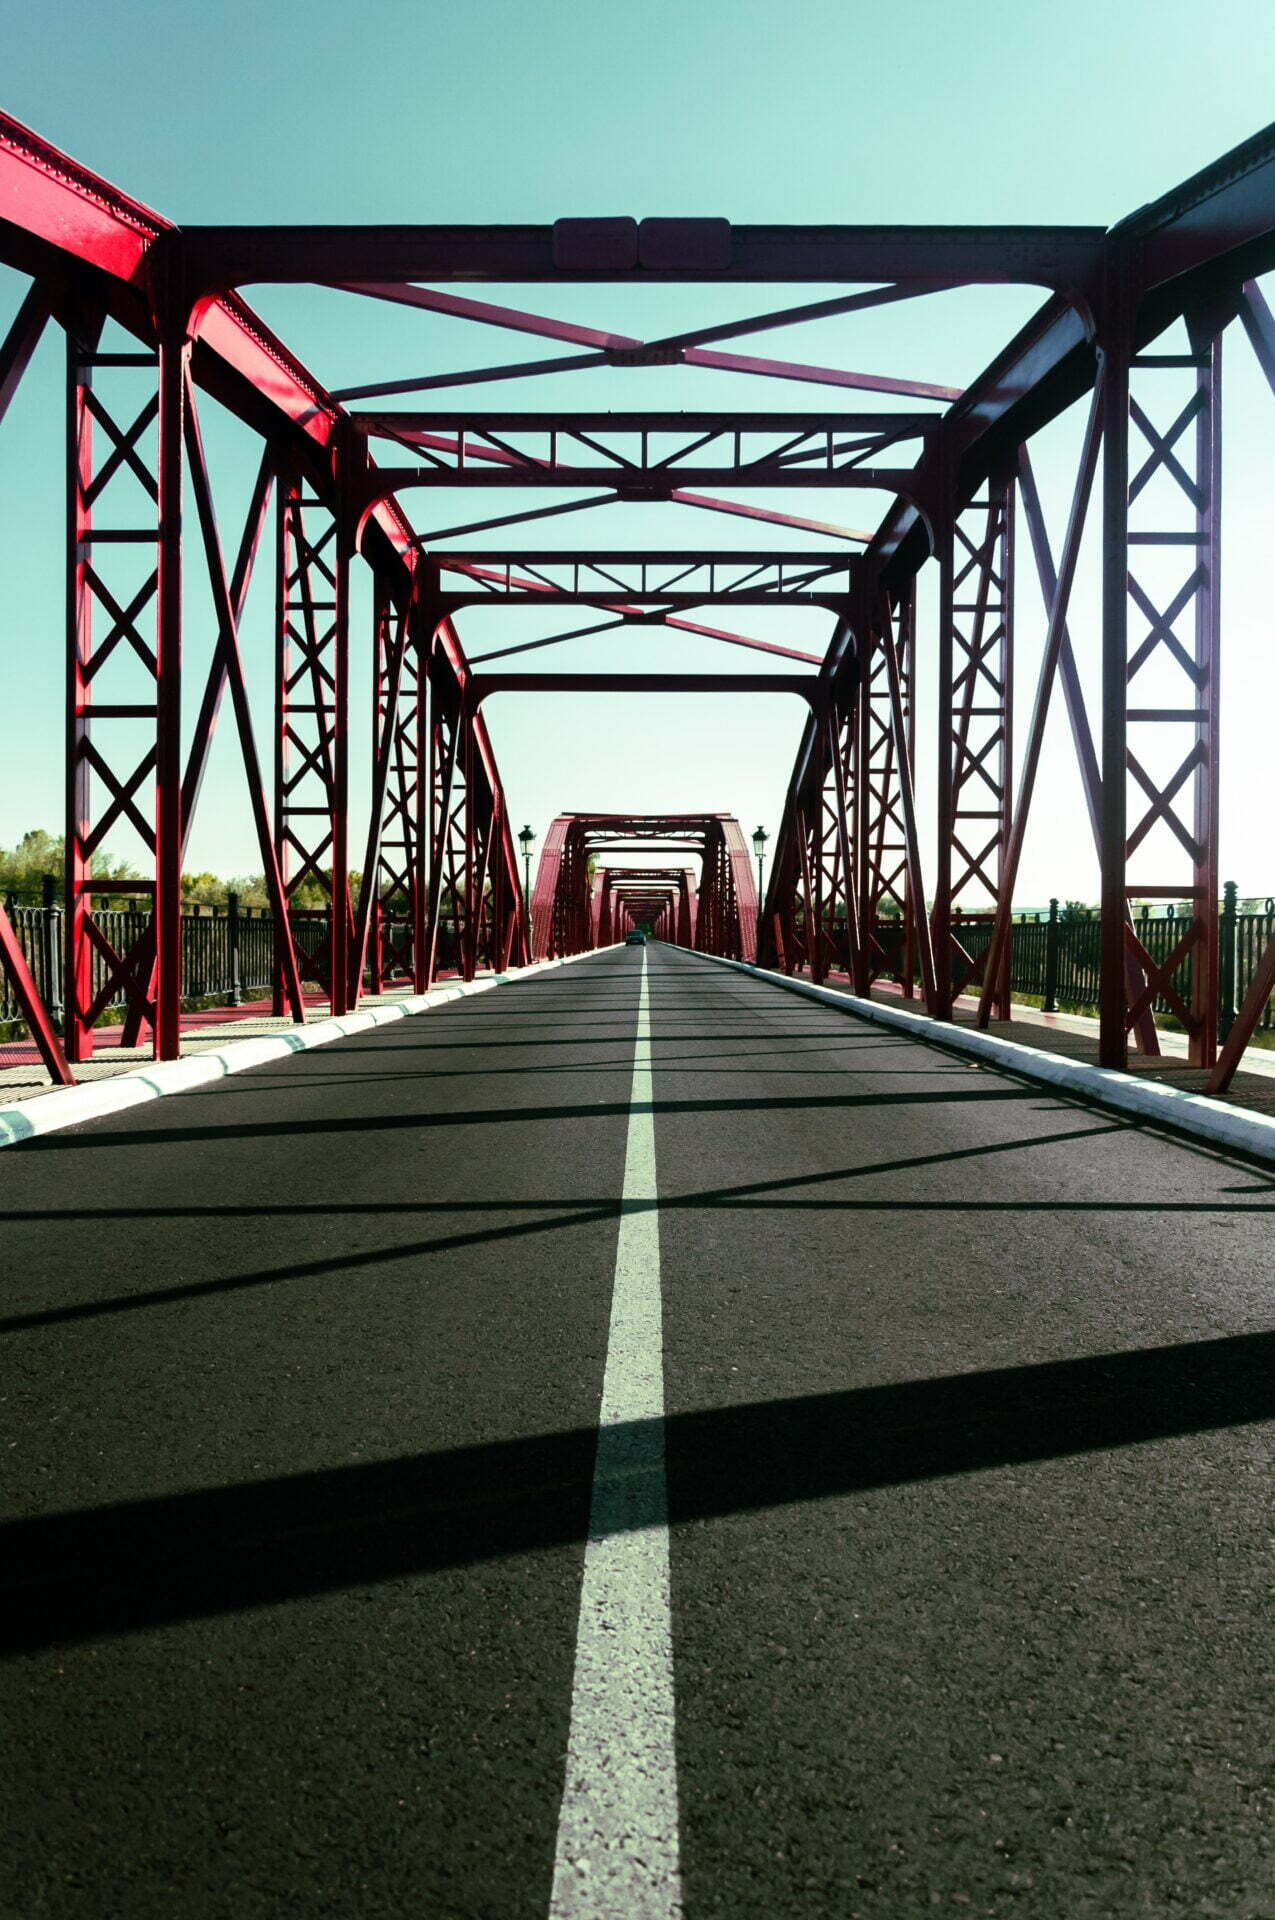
[
  {"x": 285, "y": 495},
  {"x": 1206, "y": 960},
  {"x": 78, "y": 969},
  {"x": 450, "y": 763},
  {"x": 397, "y": 739},
  {"x": 1113, "y": 1024},
  {"x": 375, "y": 882},
  {"x": 861, "y": 818},
  {"x": 437, "y": 800},
  {"x": 884, "y": 830},
  {"x": 122, "y": 591},
  {"x": 940, "y": 1003},
  {"x": 907, "y": 802},
  {"x": 472, "y": 907},
  {"x": 982, "y": 713},
  {"x": 311, "y": 720},
  {"x": 1169, "y": 779},
  {"x": 906, "y": 656},
  {"x": 342, "y": 918},
  {"x": 840, "y": 749},
  {"x": 387, "y": 811},
  {"x": 421, "y": 645},
  {"x": 174, "y": 356}
]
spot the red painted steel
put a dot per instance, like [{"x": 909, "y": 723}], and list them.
[
  {"x": 846, "y": 889},
  {"x": 34, "y": 1012},
  {"x": 113, "y": 621},
  {"x": 312, "y": 723},
  {"x": 975, "y": 731},
  {"x": 575, "y": 900}
]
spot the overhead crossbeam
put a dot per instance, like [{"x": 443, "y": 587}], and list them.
[
  {"x": 644, "y": 455},
  {"x": 669, "y": 577},
  {"x": 482, "y": 686},
  {"x": 650, "y": 250}
]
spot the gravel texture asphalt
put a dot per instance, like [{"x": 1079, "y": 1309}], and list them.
[{"x": 968, "y": 1396}]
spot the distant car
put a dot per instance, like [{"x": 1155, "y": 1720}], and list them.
[{"x": 635, "y": 937}]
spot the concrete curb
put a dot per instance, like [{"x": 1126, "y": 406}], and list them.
[
  {"x": 72, "y": 1106},
  {"x": 1192, "y": 1114}
]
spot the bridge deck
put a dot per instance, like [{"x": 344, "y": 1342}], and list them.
[{"x": 964, "y": 1387}]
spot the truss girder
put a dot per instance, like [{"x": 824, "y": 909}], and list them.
[
  {"x": 395, "y": 900},
  {"x": 975, "y": 722},
  {"x": 685, "y": 578},
  {"x": 846, "y": 876},
  {"x": 645, "y": 461},
  {"x": 124, "y": 472},
  {"x": 312, "y": 700},
  {"x": 135, "y": 468},
  {"x": 1161, "y": 682},
  {"x": 579, "y": 903}
]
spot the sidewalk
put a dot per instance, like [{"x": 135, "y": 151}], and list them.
[
  {"x": 23, "y": 1076},
  {"x": 1075, "y": 1036}
]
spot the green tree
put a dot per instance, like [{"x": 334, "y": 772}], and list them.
[{"x": 22, "y": 868}]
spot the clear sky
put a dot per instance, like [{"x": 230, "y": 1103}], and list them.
[{"x": 816, "y": 110}]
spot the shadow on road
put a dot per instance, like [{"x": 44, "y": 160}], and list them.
[
  {"x": 138, "y": 1565},
  {"x": 96, "y": 1137}
]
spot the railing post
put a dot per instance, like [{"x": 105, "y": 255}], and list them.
[
  {"x": 1228, "y": 930},
  {"x": 1051, "y": 960},
  {"x": 49, "y": 983},
  {"x": 234, "y": 996}
]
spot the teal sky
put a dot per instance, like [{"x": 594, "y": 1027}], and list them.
[{"x": 809, "y": 111}]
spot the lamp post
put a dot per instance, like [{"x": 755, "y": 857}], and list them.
[
  {"x": 760, "y": 837},
  {"x": 527, "y": 841}
]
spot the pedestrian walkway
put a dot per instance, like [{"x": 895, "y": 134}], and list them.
[
  {"x": 1076, "y": 1037},
  {"x": 23, "y": 1075}
]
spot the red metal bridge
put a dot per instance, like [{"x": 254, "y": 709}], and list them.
[
  {"x": 338, "y": 472},
  {"x": 579, "y": 904},
  {"x": 958, "y": 468},
  {"x": 655, "y": 1438}
]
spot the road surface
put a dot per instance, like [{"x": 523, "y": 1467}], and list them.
[{"x": 922, "y": 1565}]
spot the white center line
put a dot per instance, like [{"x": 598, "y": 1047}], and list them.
[{"x": 617, "y": 1853}]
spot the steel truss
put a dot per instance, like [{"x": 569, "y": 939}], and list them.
[
  {"x": 1162, "y": 425},
  {"x": 847, "y": 890},
  {"x": 396, "y": 914},
  {"x": 662, "y": 899},
  {"x": 975, "y": 672},
  {"x": 645, "y": 456},
  {"x": 138, "y": 488},
  {"x": 312, "y": 703},
  {"x": 577, "y": 904},
  {"x": 673, "y": 579}
]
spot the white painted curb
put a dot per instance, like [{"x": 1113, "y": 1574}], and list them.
[
  {"x": 72, "y": 1106},
  {"x": 1190, "y": 1113}
]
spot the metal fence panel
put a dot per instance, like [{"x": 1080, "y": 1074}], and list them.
[{"x": 227, "y": 953}]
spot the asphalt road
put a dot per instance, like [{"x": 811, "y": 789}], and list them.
[{"x": 968, "y": 1481}]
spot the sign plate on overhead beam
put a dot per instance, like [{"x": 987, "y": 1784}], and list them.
[
  {"x": 685, "y": 246},
  {"x": 595, "y": 246}
]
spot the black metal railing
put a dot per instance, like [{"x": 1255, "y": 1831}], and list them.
[
  {"x": 228, "y": 951},
  {"x": 1055, "y": 956}
]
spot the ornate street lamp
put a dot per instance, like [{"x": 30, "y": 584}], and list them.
[
  {"x": 527, "y": 841},
  {"x": 760, "y": 837}
]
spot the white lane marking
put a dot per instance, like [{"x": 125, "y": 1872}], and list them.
[{"x": 617, "y": 1854}]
